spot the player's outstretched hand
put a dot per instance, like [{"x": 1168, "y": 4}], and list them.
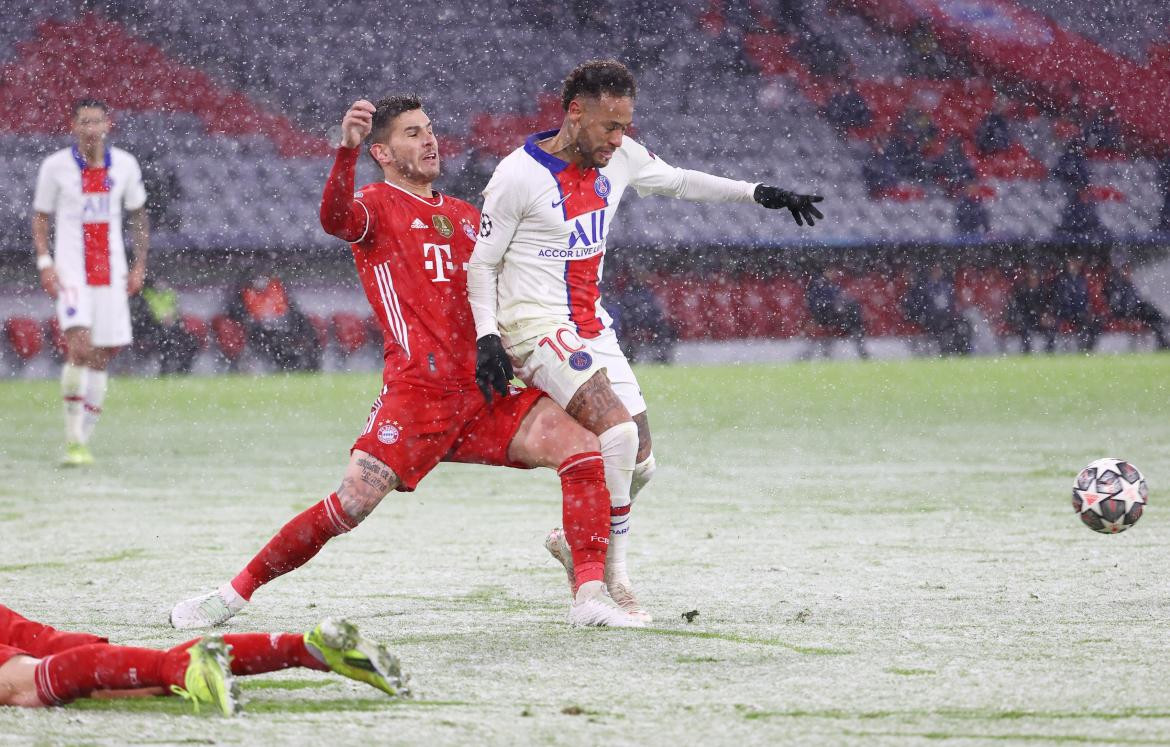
[
  {"x": 493, "y": 368},
  {"x": 801, "y": 206},
  {"x": 357, "y": 123}
]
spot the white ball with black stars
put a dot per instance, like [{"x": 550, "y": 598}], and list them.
[{"x": 1109, "y": 495}]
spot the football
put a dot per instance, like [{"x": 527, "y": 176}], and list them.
[{"x": 1109, "y": 495}]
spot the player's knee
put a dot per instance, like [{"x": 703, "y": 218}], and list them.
[
  {"x": 18, "y": 683},
  {"x": 358, "y": 500},
  {"x": 620, "y": 442}
]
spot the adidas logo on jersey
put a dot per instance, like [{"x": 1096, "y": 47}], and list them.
[{"x": 418, "y": 224}]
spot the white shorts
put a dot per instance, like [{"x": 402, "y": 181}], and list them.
[
  {"x": 104, "y": 309},
  {"x": 558, "y": 361}
]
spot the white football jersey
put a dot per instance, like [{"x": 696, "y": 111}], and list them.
[
  {"x": 538, "y": 257},
  {"x": 88, "y": 220}
]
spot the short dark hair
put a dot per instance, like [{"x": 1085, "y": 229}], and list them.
[
  {"x": 595, "y": 77},
  {"x": 387, "y": 110},
  {"x": 80, "y": 104}
]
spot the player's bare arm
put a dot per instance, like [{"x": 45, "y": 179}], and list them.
[
  {"x": 140, "y": 232},
  {"x": 40, "y": 234}
]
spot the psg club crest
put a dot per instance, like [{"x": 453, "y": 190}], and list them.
[
  {"x": 443, "y": 225},
  {"x": 580, "y": 360},
  {"x": 389, "y": 433},
  {"x": 468, "y": 231},
  {"x": 601, "y": 186}
]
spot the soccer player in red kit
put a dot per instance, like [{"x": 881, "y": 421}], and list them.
[
  {"x": 411, "y": 245},
  {"x": 43, "y": 666}
]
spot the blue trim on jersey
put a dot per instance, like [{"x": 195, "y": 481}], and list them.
[
  {"x": 81, "y": 164},
  {"x": 547, "y": 160}
]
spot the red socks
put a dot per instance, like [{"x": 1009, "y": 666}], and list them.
[
  {"x": 585, "y": 509},
  {"x": 257, "y": 653},
  {"x": 77, "y": 672},
  {"x": 294, "y": 545}
]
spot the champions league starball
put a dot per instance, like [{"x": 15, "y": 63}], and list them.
[{"x": 1109, "y": 495}]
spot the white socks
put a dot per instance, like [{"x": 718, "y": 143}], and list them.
[
  {"x": 73, "y": 393},
  {"x": 232, "y": 598},
  {"x": 619, "y": 451},
  {"x": 96, "y": 383}
]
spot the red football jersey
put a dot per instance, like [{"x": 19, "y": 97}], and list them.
[{"x": 411, "y": 255}]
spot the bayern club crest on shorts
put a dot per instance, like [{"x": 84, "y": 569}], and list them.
[
  {"x": 601, "y": 186},
  {"x": 580, "y": 360},
  {"x": 389, "y": 434}
]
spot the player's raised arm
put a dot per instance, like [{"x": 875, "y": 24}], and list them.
[
  {"x": 502, "y": 210},
  {"x": 342, "y": 215},
  {"x": 651, "y": 175}
]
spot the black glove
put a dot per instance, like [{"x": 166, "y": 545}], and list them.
[
  {"x": 493, "y": 368},
  {"x": 801, "y": 206}
]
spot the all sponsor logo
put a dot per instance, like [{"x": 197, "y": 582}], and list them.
[
  {"x": 70, "y": 311},
  {"x": 418, "y": 224},
  {"x": 580, "y": 360},
  {"x": 601, "y": 186},
  {"x": 389, "y": 433},
  {"x": 357, "y": 195},
  {"x": 443, "y": 225}
]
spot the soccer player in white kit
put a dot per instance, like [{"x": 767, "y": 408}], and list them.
[
  {"x": 533, "y": 279},
  {"x": 84, "y": 190}
]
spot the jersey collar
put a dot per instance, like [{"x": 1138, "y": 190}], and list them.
[
  {"x": 423, "y": 200},
  {"x": 547, "y": 160},
  {"x": 81, "y": 164}
]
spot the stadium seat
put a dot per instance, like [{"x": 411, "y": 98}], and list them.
[
  {"x": 350, "y": 331},
  {"x": 230, "y": 337},
  {"x": 197, "y": 328},
  {"x": 320, "y": 329},
  {"x": 24, "y": 337},
  {"x": 54, "y": 334}
]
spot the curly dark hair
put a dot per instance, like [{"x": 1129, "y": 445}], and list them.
[
  {"x": 596, "y": 77},
  {"x": 387, "y": 110},
  {"x": 88, "y": 103}
]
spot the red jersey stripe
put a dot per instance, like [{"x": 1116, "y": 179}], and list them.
[{"x": 582, "y": 291}]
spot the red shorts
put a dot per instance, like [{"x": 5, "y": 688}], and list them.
[
  {"x": 20, "y": 636},
  {"x": 411, "y": 429}
]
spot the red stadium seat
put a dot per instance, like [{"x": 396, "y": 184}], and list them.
[
  {"x": 197, "y": 328},
  {"x": 53, "y": 332},
  {"x": 24, "y": 337},
  {"x": 229, "y": 336},
  {"x": 784, "y": 296},
  {"x": 320, "y": 329},
  {"x": 350, "y": 332}
]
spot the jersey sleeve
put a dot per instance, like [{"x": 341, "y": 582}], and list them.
[
  {"x": 135, "y": 196},
  {"x": 342, "y": 212},
  {"x": 650, "y": 175},
  {"x": 45, "y": 196},
  {"x": 503, "y": 207}
]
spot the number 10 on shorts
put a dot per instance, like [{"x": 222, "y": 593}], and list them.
[{"x": 567, "y": 347}]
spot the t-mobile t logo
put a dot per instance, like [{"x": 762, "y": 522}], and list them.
[{"x": 440, "y": 262}]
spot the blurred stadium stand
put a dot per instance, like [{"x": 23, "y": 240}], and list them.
[{"x": 227, "y": 106}]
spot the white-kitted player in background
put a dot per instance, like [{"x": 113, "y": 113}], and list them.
[
  {"x": 84, "y": 190},
  {"x": 533, "y": 278}
]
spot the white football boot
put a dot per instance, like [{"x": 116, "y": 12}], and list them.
[
  {"x": 558, "y": 547},
  {"x": 620, "y": 588},
  {"x": 204, "y": 611},
  {"x": 594, "y": 608}
]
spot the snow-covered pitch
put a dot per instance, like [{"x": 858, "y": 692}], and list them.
[{"x": 878, "y": 553}]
